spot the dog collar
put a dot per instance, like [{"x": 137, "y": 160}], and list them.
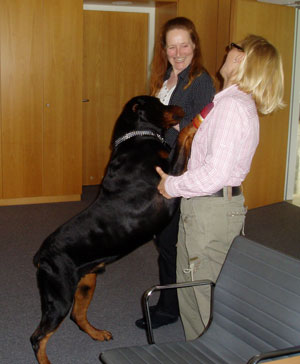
[{"x": 138, "y": 133}]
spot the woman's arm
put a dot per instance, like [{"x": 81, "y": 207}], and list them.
[{"x": 211, "y": 169}]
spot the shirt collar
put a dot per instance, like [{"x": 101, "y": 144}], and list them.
[
  {"x": 183, "y": 74},
  {"x": 227, "y": 91}
]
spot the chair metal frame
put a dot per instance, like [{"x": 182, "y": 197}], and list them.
[{"x": 146, "y": 307}]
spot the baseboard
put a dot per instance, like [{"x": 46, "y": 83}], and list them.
[{"x": 38, "y": 200}]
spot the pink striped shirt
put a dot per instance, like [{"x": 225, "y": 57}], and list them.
[{"x": 223, "y": 147}]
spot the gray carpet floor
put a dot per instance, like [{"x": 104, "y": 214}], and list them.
[
  {"x": 116, "y": 304},
  {"x": 277, "y": 226}
]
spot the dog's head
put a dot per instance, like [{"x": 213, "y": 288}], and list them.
[{"x": 147, "y": 113}]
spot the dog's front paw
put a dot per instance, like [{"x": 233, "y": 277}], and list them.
[{"x": 102, "y": 335}]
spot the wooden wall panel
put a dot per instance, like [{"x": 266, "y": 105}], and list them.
[
  {"x": 114, "y": 70},
  {"x": 204, "y": 14},
  {"x": 1, "y": 189},
  {"x": 62, "y": 139},
  {"x": 223, "y": 38},
  {"x": 21, "y": 97},
  {"x": 265, "y": 183},
  {"x": 163, "y": 12}
]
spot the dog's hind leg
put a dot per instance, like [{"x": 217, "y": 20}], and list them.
[
  {"x": 56, "y": 301},
  {"x": 40, "y": 351},
  {"x": 83, "y": 297},
  {"x": 42, "y": 334}
]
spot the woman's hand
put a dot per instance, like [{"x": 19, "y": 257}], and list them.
[{"x": 161, "y": 185}]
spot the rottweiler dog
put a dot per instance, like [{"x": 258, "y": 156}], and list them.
[{"x": 127, "y": 213}]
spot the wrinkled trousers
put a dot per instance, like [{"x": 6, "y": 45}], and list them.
[{"x": 207, "y": 228}]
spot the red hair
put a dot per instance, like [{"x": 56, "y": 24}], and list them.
[{"x": 160, "y": 62}]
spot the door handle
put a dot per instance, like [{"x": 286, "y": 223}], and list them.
[{"x": 85, "y": 100}]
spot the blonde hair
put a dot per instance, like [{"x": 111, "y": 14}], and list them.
[{"x": 261, "y": 74}]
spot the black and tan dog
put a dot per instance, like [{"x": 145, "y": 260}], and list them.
[{"x": 127, "y": 213}]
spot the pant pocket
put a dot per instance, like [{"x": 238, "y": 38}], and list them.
[{"x": 236, "y": 222}]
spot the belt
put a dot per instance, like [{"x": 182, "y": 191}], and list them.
[{"x": 230, "y": 191}]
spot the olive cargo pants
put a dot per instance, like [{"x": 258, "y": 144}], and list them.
[{"x": 207, "y": 228}]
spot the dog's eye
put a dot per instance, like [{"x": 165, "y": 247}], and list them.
[{"x": 135, "y": 107}]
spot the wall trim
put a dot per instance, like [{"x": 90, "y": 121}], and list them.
[
  {"x": 294, "y": 115},
  {"x": 38, "y": 200}
]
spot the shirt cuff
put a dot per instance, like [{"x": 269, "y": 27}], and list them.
[{"x": 170, "y": 187}]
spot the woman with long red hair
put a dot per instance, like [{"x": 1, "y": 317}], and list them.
[{"x": 178, "y": 77}]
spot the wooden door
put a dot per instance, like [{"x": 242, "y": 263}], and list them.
[
  {"x": 62, "y": 106},
  {"x": 21, "y": 97},
  {"x": 265, "y": 183},
  {"x": 114, "y": 70}
]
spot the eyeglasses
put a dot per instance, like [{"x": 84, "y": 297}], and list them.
[{"x": 234, "y": 45}]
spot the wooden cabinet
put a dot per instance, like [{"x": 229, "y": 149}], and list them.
[
  {"x": 21, "y": 97},
  {"x": 40, "y": 100},
  {"x": 62, "y": 151}
]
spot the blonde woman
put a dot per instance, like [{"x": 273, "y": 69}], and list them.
[{"x": 212, "y": 207}]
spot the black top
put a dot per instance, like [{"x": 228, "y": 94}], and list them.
[{"x": 192, "y": 99}]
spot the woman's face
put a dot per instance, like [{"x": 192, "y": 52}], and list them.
[{"x": 179, "y": 48}]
